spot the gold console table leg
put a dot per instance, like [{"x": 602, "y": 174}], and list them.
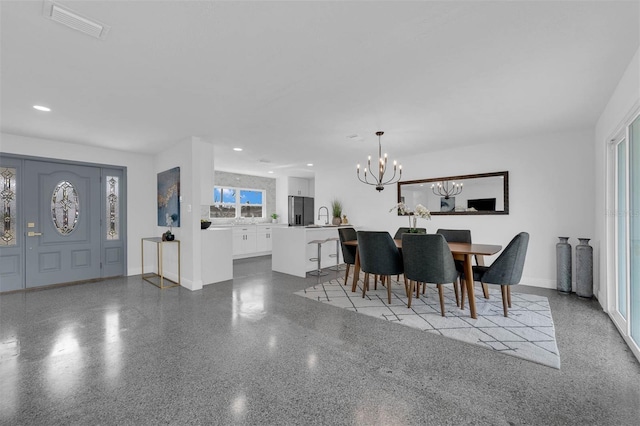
[{"x": 159, "y": 260}]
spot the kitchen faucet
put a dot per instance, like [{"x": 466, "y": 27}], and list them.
[{"x": 326, "y": 222}]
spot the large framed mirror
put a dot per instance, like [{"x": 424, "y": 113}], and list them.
[{"x": 486, "y": 193}]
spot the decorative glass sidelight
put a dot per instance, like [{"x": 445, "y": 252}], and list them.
[
  {"x": 113, "y": 208},
  {"x": 65, "y": 207},
  {"x": 8, "y": 206}
]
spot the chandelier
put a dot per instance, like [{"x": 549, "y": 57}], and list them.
[
  {"x": 379, "y": 181},
  {"x": 446, "y": 189}
]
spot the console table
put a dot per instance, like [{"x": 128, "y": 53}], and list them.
[{"x": 160, "y": 274}]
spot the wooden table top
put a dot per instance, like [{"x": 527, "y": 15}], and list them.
[{"x": 456, "y": 248}]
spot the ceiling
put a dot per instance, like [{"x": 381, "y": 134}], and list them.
[{"x": 311, "y": 82}]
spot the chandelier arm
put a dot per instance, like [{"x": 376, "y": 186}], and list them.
[
  {"x": 366, "y": 181},
  {"x": 392, "y": 177}
]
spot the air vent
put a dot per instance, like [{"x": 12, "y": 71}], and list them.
[{"x": 71, "y": 19}]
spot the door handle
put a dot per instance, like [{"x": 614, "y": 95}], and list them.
[{"x": 33, "y": 234}]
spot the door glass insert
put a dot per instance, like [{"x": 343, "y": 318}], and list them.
[
  {"x": 113, "y": 208},
  {"x": 8, "y": 206},
  {"x": 65, "y": 207}
]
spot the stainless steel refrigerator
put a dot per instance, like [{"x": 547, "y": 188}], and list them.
[{"x": 300, "y": 211}]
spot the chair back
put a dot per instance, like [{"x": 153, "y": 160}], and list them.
[
  {"x": 378, "y": 253},
  {"x": 507, "y": 268},
  {"x": 427, "y": 258},
  {"x": 348, "y": 252},
  {"x": 403, "y": 230},
  {"x": 456, "y": 235}
]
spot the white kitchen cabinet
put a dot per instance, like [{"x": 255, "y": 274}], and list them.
[
  {"x": 244, "y": 240},
  {"x": 264, "y": 241},
  {"x": 299, "y": 186}
]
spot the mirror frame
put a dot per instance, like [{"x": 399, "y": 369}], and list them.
[{"x": 505, "y": 191}]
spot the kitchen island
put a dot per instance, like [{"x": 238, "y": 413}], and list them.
[{"x": 292, "y": 252}]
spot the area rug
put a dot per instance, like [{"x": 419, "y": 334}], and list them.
[{"x": 527, "y": 332}]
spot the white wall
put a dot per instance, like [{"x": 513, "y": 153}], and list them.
[
  {"x": 141, "y": 182},
  {"x": 624, "y": 102},
  {"x": 550, "y": 194},
  {"x": 194, "y": 175}
]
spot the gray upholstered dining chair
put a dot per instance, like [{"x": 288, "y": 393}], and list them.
[
  {"x": 405, "y": 230},
  {"x": 506, "y": 270},
  {"x": 427, "y": 259},
  {"x": 458, "y": 236},
  {"x": 380, "y": 256},
  {"x": 348, "y": 252}
]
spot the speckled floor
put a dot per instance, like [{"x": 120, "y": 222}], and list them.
[{"x": 249, "y": 351}]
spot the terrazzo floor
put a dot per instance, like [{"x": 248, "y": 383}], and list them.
[{"x": 250, "y": 352}]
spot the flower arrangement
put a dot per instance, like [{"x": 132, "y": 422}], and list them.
[{"x": 420, "y": 211}]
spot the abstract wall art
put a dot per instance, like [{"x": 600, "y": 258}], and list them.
[{"x": 169, "y": 198}]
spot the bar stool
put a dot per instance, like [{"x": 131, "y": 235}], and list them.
[
  {"x": 318, "y": 272},
  {"x": 337, "y": 253}
]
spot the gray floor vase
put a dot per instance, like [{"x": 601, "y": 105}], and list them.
[{"x": 250, "y": 352}]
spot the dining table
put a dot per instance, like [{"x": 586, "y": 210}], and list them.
[{"x": 464, "y": 252}]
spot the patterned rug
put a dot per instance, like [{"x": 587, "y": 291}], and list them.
[{"x": 527, "y": 333}]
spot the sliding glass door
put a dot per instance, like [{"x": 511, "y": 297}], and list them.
[
  {"x": 625, "y": 232},
  {"x": 634, "y": 231},
  {"x": 621, "y": 226}
]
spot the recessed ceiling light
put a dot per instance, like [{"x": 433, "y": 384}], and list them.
[
  {"x": 42, "y": 108},
  {"x": 270, "y": 171},
  {"x": 310, "y": 164},
  {"x": 237, "y": 149}
]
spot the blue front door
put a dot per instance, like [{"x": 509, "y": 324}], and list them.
[{"x": 62, "y": 223}]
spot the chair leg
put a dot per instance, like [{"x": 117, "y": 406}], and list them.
[
  {"x": 375, "y": 282},
  {"x": 346, "y": 275},
  {"x": 504, "y": 289},
  {"x": 388, "y": 280},
  {"x": 365, "y": 284},
  {"x": 455, "y": 289},
  {"x": 485, "y": 290},
  {"x": 410, "y": 293},
  {"x": 418, "y": 289},
  {"x": 509, "y": 295},
  {"x": 463, "y": 289},
  {"x": 441, "y": 293}
]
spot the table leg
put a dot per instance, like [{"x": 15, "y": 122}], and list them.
[
  {"x": 356, "y": 271},
  {"x": 468, "y": 273}
]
